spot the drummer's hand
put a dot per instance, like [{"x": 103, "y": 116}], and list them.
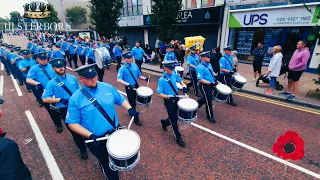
[
  {"x": 94, "y": 138},
  {"x": 184, "y": 90},
  {"x": 214, "y": 83},
  {"x": 129, "y": 86},
  {"x": 174, "y": 98},
  {"x": 133, "y": 113},
  {"x": 147, "y": 79},
  {"x": 231, "y": 72}
]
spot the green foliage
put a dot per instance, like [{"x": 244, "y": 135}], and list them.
[
  {"x": 104, "y": 15},
  {"x": 165, "y": 14},
  {"x": 15, "y": 17},
  {"x": 54, "y": 18},
  {"x": 77, "y": 14}
]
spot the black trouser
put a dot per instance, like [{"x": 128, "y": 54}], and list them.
[
  {"x": 161, "y": 57},
  {"x": 82, "y": 59},
  {"x": 101, "y": 153},
  {"x": 18, "y": 74},
  {"x": 118, "y": 58},
  {"x": 67, "y": 55},
  {"x": 139, "y": 64},
  {"x": 74, "y": 58},
  {"x": 12, "y": 69},
  {"x": 206, "y": 90},
  {"x": 54, "y": 114},
  {"x": 37, "y": 93},
  {"x": 100, "y": 73},
  {"x": 226, "y": 79},
  {"x": 90, "y": 61},
  {"x": 6, "y": 64},
  {"x": 194, "y": 81},
  {"x": 78, "y": 139},
  {"x": 132, "y": 95},
  {"x": 172, "y": 109}
]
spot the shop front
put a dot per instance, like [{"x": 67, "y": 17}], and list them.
[
  {"x": 193, "y": 22},
  {"x": 131, "y": 27},
  {"x": 280, "y": 25}
]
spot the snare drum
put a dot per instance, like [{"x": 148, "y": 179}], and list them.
[
  {"x": 124, "y": 150},
  {"x": 238, "y": 82},
  {"x": 144, "y": 95},
  {"x": 179, "y": 70},
  {"x": 187, "y": 111},
  {"x": 221, "y": 92}
]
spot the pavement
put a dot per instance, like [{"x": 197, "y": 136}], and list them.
[
  {"x": 306, "y": 84},
  {"x": 238, "y": 146}
]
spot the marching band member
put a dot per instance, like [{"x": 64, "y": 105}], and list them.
[
  {"x": 193, "y": 61},
  {"x": 4, "y": 61},
  {"x": 117, "y": 51},
  {"x": 73, "y": 54},
  {"x": 205, "y": 75},
  {"x": 226, "y": 71},
  {"x": 41, "y": 48},
  {"x": 168, "y": 90},
  {"x": 58, "y": 53},
  {"x": 16, "y": 58},
  {"x": 128, "y": 76},
  {"x": 92, "y": 114},
  {"x": 34, "y": 49},
  {"x": 89, "y": 54},
  {"x": 50, "y": 51},
  {"x": 58, "y": 91},
  {"x": 30, "y": 43},
  {"x": 24, "y": 65},
  {"x": 64, "y": 48},
  {"x": 170, "y": 56},
  {"x": 80, "y": 53},
  {"x": 7, "y": 57}
]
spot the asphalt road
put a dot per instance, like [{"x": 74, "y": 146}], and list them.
[{"x": 229, "y": 151}]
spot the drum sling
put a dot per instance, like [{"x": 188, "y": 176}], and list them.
[
  {"x": 230, "y": 64},
  {"x": 45, "y": 72},
  {"x": 133, "y": 76},
  {"x": 171, "y": 85},
  {"x": 61, "y": 84},
  {"x": 209, "y": 70},
  {"x": 93, "y": 101}
]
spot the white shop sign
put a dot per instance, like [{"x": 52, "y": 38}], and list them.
[
  {"x": 131, "y": 21},
  {"x": 315, "y": 60}
]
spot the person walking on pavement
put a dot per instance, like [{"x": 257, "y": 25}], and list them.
[
  {"x": 58, "y": 91},
  {"x": 226, "y": 72},
  {"x": 274, "y": 68},
  {"x": 258, "y": 53},
  {"x": 206, "y": 78},
  {"x": 138, "y": 54},
  {"x": 193, "y": 61},
  {"x": 128, "y": 76},
  {"x": 168, "y": 91},
  {"x": 95, "y": 119},
  {"x": 297, "y": 65},
  {"x": 39, "y": 75}
]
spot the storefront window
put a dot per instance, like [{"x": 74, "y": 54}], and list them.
[
  {"x": 206, "y": 3},
  {"x": 191, "y": 4},
  {"x": 132, "y": 8}
]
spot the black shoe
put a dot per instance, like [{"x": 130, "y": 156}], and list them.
[
  {"x": 84, "y": 155},
  {"x": 59, "y": 129},
  {"x": 233, "y": 104},
  {"x": 164, "y": 127},
  {"x": 181, "y": 142},
  {"x": 212, "y": 120},
  {"x": 138, "y": 122}
]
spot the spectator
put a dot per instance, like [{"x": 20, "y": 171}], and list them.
[
  {"x": 157, "y": 43},
  {"x": 214, "y": 60},
  {"x": 274, "y": 68},
  {"x": 179, "y": 52},
  {"x": 258, "y": 53},
  {"x": 297, "y": 65},
  {"x": 235, "y": 60},
  {"x": 162, "y": 51}
]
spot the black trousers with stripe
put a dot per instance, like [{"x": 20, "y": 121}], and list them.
[
  {"x": 172, "y": 109},
  {"x": 206, "y": 91},
  {"x": 194, "y": 82}
]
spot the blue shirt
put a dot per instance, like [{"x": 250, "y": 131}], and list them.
[
  {"x": 81, "y": 111},
  {"x": 86, "y": 52},
  {"x": 49, "y": 54},
  {"x": 38, "y": 75},
  {"x": 9, "y": 55},
  {"x": 83, "y": 44},
  {"x": 58, "y": 54},
  {"x": 137, "y": 53},
  {"x": 41, "y": 49},
  {"x": 125, "y": 75},
  {"x": 226, "y": 62},
  {"x": 72, "y": 49},
  {"x": 80, "y": 50},
  {"x": 2, "y": 52},
  {"x": 204, "y": 73},
  {"x": 170, "y": 56},
  {"x": 90, "y": 54},
  {"x": 164, "y": 87},
  {"x": 34, "y": 48},
  {"x": 117, "y": 51},
  {"x": 25, "y": 63},
  {"x": 29, "y": 45},
  {"x": 17, "y": 61},
  {"x": 53, "y": 88},
  {"x": 64, "y": 46},
  {"x": 194, "y": 60}
]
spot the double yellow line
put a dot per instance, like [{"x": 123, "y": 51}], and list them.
[{"x": 259, "y": 98}]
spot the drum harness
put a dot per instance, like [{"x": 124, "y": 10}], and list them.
[
  {"x": 230, "y": 64},
  {"x": 137, "y": 84},
  {"x": 52, "y": 107},
  {"x": 171, "y": 85}
]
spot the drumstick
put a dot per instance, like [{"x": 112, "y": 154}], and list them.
[
  {"x": 148, "y": 81},
  {"x": 186, "y": 95},
  {"x": 130, "y": 122},
  {"x": 98, "y": 139}
]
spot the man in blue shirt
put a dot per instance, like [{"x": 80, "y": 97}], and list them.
[
  {"x": 58, "y": 91},
  {"x": 128, "y": 76},
  {"x": 39, "y": 76},
  {"x": 162, "y": 52},
  {"x": 4, "y": 62},
  {"x": 170, "y": 56},
  {"x": 85, "y": 119},
  {"x": 34, "y": 49},
  {"x": 138, "y": 53},
  {"x": 226, "y": 71},
  {"x": 73, "y": 54},
  {"x": 170, "y": 97},
  {"x": 205, "y": 76},
  {"x": 193, "y": 61},
  {"x": 50, "y": 51},
  {"x": 16, "y": 58},
  {"x": 64, "y": 48},
  {"x": 89, "y": 54},
  {"x": 30, "y": 43},
  {"x": 80, "y": 53},
  {"x": 24, "y": 65},
  {"x": 41, "y": 47},
  {"x": 117, "y": 51},
  {"x": 58, "y": 53},
  {"x": 8, "y": 55}
]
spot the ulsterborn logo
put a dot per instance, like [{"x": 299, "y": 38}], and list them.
[{"x": 36, "y": 10}]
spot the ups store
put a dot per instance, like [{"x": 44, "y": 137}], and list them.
[
  {"x": 280, "y": 25},
  {"x": 205, "y": 22}
]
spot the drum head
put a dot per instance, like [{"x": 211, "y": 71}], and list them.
[
  {"x": 144, "y": 91},
  {"x": 240, "y": 79},
  {"x": 224, "y": 89},
  {"x": 123, "y": 144},
  {"x": 188, "y": 104},
  {"x": 179, "y": 68}
]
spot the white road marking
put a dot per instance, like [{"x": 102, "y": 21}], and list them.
[
  {"x": 1, "y": 66},
  {"x": 1, "y": 84},
  {"x": 16, "y": 86},
  {"x": 48, "y": 157},
  {"x": 257, "y": 151}
]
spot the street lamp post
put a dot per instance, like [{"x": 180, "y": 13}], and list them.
[{"x": 63, "y": 16}]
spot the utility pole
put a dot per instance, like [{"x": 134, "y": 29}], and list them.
[{"x": 63, "y": 16}]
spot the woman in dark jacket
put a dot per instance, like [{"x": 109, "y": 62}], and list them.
[{"x": 214, "y": 60}]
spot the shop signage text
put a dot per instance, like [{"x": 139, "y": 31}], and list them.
[
  {"x": 255, "y": 18},
  {"x": 131, "y": 21},
  {"x": 36, "y": 26}
]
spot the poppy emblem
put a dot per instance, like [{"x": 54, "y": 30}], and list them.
[{"x": 289, "y": 146}]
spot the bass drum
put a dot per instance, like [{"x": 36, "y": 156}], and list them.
[{"x": 102, "y": 57}]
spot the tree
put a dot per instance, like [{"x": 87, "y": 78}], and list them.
[
  {"x": 165, "y": 13},
  {"x": 77, "y": 14},
  {"x": 15, "y": 17},
  {"x": 54, "y": 17},
  {"x": 104, "y": 15}
]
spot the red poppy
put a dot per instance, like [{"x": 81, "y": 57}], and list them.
[{"x": 289, "y": 146}]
